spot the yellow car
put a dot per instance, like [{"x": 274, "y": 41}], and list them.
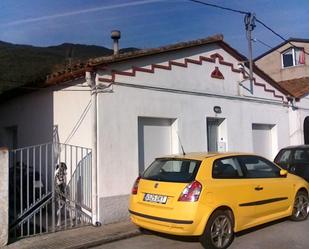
[{"x": 215, "y": 195}]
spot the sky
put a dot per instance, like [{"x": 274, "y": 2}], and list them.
[{"x": 148, "y": 23}]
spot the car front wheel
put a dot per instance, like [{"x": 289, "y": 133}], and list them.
[
  {"x": 218, "y": 233},
  {"x": 301, "y": 207}
]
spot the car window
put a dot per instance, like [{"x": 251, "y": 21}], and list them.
[
  {"x": 257, "y": 167},
  {"x": 172, "y": 170},
  {"x": 300, "y": 156},
  {"x": 226, "y": 168},
  {"x": 283, "y": 157}
]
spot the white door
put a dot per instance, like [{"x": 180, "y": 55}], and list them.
[
  {"x": 262, "y": 140},
  {"x": 154, "y": 139}
]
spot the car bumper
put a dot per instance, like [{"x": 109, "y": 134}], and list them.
[{"x": 189, "y": 227}]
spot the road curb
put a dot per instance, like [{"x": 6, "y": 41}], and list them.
[{"x": 107, "y": 239}]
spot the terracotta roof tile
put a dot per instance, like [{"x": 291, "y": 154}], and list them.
[
  {"x": 59, "y": 77},
  {"x": 298, "y": 88},
  {"x": 151, "y": 51}
]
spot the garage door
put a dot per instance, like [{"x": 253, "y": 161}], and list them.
[
  {"x": 154, "y": 139},
  {"x": 262, "y": 140}
]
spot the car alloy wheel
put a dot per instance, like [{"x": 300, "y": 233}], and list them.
[
  {"x": 219, "y": 231},
  {"x": 301, "y": 207}
]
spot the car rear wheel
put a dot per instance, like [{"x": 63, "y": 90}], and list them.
[
  {"x": 301, "y": 207},
  {"x": 219, "y": 232}
]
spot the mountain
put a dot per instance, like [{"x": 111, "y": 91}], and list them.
[{"x": 29, "y": 65}]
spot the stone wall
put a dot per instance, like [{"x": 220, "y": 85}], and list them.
[{"x": 4, "y": 196}]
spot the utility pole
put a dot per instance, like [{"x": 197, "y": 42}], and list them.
[
  {"x": 250, "y": 25},
  {"x": 92, "y": 83}
]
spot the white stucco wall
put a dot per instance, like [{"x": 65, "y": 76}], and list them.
[
  {"x": 72, "y": 115},
  {"x": 38, "y": 114}
]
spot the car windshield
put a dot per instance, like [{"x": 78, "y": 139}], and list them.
[{"x": 172, "y": 170}]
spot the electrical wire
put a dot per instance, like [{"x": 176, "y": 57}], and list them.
[
  {"x": 277, "y": 34},
  {"x": 256, "y": 19},
  {"x": 79, "y": 122},
  {"x": 263, "y": 43},
  {"x": 221, "y": 7}
]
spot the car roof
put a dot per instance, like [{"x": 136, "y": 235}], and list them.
[
  {"x": 202, "y": 155},
  {"x": 302, "y": 146}
]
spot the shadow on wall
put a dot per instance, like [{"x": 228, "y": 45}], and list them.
[{"x": 27, "y": 119}]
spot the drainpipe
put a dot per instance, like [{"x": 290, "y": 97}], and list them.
[{"x": 90, "y": 78}]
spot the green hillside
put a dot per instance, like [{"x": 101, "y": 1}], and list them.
[{"x": 29, "y": 65}]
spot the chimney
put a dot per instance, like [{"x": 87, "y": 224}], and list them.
[{"x": 115, "y": 35}]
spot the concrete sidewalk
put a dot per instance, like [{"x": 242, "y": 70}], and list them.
[{"x": 83, "y": 237}]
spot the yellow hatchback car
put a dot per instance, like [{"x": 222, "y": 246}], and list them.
[{"x": 215, "y": 195}]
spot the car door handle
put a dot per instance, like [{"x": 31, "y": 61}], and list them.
[{"x": 258, "y": 188}]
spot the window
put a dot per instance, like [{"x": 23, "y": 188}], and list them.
[
  {"x": 293, "y": 57},
  {"x": 172, "y": 170},
  {"x": 257, "y": 167},
  {"x": 301, "y": 156},
  {"x": 227, "y": 168},
  {"x": 283, "y": 157}
]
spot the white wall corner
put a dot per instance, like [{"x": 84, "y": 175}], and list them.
[{"x": 4, "y": 196}]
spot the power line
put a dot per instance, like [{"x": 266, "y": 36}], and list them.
[
  {"x": 263, "y": 43},
  {"x": 221, "y": 7},
  {"x": 277, "y": 34},
  {"x": 248, "y": 14}
]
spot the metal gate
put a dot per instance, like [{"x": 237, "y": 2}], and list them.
[{"x": 49, "y": 189}]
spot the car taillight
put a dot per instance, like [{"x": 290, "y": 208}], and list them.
[
  {"x": 135, "y": 186},
  {"x": 191, "y": 192}
]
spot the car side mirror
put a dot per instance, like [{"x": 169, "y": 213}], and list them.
[{"x": 283, "y": 173}]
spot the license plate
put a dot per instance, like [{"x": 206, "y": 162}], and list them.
[{"x": 155, "y": 198}]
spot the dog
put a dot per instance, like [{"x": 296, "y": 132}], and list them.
[{"x": 62, "y": 192}]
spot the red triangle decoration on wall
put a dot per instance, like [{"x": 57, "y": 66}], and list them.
[{"x": 217, "y": 74}]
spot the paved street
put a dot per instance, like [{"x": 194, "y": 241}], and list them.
[{"x": 281, "y": 235}]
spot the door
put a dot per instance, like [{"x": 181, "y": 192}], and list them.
[
  {"x": 215, "y": 142},
  {"x": 272, "y": 192},
  {"x": 232, "y": 188},
  {"x": 154, "y": 139},
  {"x": 262, "y": 140}
]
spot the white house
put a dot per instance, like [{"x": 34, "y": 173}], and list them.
[{"x": 147, "y": 101}]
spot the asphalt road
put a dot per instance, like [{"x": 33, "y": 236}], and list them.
[{"x": 284, "y": 234}]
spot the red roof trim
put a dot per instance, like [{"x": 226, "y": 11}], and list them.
[{"x": 184, "y": 64}]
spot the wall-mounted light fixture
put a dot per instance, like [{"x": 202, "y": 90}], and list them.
[{"x": 217, "y": 109}]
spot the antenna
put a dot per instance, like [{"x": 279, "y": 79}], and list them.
[{"x": 183, "y": 151}]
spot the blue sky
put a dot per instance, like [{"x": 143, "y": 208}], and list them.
[{"x": 147, "y": 23}]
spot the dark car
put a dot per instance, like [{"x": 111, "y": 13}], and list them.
[{"x": 295, "y": 159}]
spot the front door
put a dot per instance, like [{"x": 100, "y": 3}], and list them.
[{"x": 214, "y": 142}]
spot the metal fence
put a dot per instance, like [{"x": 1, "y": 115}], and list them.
[{"x": 38, "y": 202}]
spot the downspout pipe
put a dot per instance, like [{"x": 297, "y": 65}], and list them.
[{"x": 90, "y": 79}]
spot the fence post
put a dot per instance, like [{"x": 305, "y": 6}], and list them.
[{"x": 4, "y": 196}]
